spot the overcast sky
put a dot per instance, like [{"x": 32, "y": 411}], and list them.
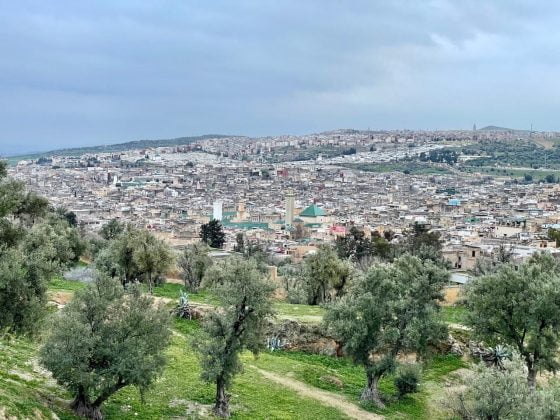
[{"x": 83, "y": 72}]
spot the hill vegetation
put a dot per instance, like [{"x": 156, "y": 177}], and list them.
[{"x": 115, "y": 148}]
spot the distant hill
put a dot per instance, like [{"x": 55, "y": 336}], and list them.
[
  {"x": 119, "y": 147},
  {"x": 496, "y": 128}
]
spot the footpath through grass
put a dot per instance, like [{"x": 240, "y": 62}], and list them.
[
  {"x": 181, "y": 393},
  {"x": 341, "y": 376},
  {"x": 25, "y": 392}
]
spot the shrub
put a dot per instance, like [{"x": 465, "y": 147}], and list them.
[{"x": 407, "y": 380}]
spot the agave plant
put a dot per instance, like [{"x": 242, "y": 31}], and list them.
[
  {"x": 496, "y": 356},
  {"x": 183, "y": 309}
]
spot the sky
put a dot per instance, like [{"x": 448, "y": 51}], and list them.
[{"x": 76, "y": 73}]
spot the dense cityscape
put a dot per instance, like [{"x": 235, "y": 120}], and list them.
[
  {"x": 172, "y": 191},
  {"x": 265, "y": 210}
]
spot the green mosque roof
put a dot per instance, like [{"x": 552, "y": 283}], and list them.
[{"x": 312, "y": 211}]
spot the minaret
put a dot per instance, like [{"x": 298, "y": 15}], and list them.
[
  {"x": 217, "y": 211},
  {"x": 290, "y": 205}
]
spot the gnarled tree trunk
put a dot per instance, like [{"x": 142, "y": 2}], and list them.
[
  {"x": 371, "y": 391},
  {"x": 532, "y": 376},
  {"x": 83, "y": 407},
  {"x": 531, "y": 371},
  {"x": 221, "y": 408}
]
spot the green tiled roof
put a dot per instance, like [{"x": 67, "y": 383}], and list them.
[
  {"x": 313, "y": 225},
  {"x": 312, "y": 211},
  {"x": 245, "y": 225}
]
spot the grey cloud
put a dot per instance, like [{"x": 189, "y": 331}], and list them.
[{"x": 75, "y": 73}]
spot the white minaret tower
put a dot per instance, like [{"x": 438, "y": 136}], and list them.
[
  {"x": 217, "y": 213},
  {"x": 290, "y": 205}
]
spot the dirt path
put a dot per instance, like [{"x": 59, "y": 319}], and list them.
[{"x": 324, "y": 397}]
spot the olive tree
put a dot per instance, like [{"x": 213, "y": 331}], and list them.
[
  {"x": 390, "y": 309},
  {"x": 492, "y": 393},
  {"x": 521, "y": 308},
  {"x": 34, "y": 245},
  {"x": 112, "y": 229},
  {"x": 193, "y": 264},
  {"x": 135, "y": 255},
  {"x": 106, "y": 339},
  {"x": 238, "y": 325},
  {"x": 117, "y": 260},
  {"x": 325, "y": 275},
  {"x": 152, "y": 257},
  {"x": 23, "y": 284}
]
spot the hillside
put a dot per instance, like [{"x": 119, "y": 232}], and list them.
[
  {"x": 497, "y": 128},
  {"x": 119, "y": 147},
  {"x": 277, "y": 385}
]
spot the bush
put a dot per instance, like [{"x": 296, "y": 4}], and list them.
[
  {"x": 493, "y": 393},
  {"x": 297, "y": 295},
  {"x": 407, "y": 380}
]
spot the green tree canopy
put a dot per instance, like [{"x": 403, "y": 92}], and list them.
[
  {"x": 193, "y": 264},
  {"x": 35, "y": 243},
  {"x": 420, "y": 241},
  {"x": 493, "y": 393},
  {"x": 135, "y": 255},
  {"x": 112, "y": 229},
  {"x": 212, "y": 233},
  {"x": 520, "y": 308},
  {"x": 391, "y": 309},
  {"x": 103, "y": 340},
  {"x": 23, "y": 284},
  {"x": 325, "y": 275},
  {"x": 153, "y": 257}
]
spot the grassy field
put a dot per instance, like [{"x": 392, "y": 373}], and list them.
[
  {"x": 537, "y": 174},
  {"x": 304, "y": 313},
  {"x": 341, "y": 376},
  {"x": 547, "y": 143},
  {"x": 284, "y": 310},
  {"x": 181, "y": 393},
  {"x": 61, "y": 284},
  {"x": 413, "y": 168},
  {"x": 27, "y": 392},
  {"x": 454, "y": 314}
]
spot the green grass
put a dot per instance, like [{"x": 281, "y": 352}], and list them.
[
  {"x": 319, "y": 371},
  {"x": 454, "y": 314},
  {"x": 60, "y": 284},
  {"x": 537, "y": 174},
  {"x": 180, "y": 387},
  {"x": 173, "y": 291},
  {"x": 171, "y": 396},
  {"x": 304, "y": 313},
  {"x": 413, "y": 168},
  {"x": 25, "y": 392}
]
